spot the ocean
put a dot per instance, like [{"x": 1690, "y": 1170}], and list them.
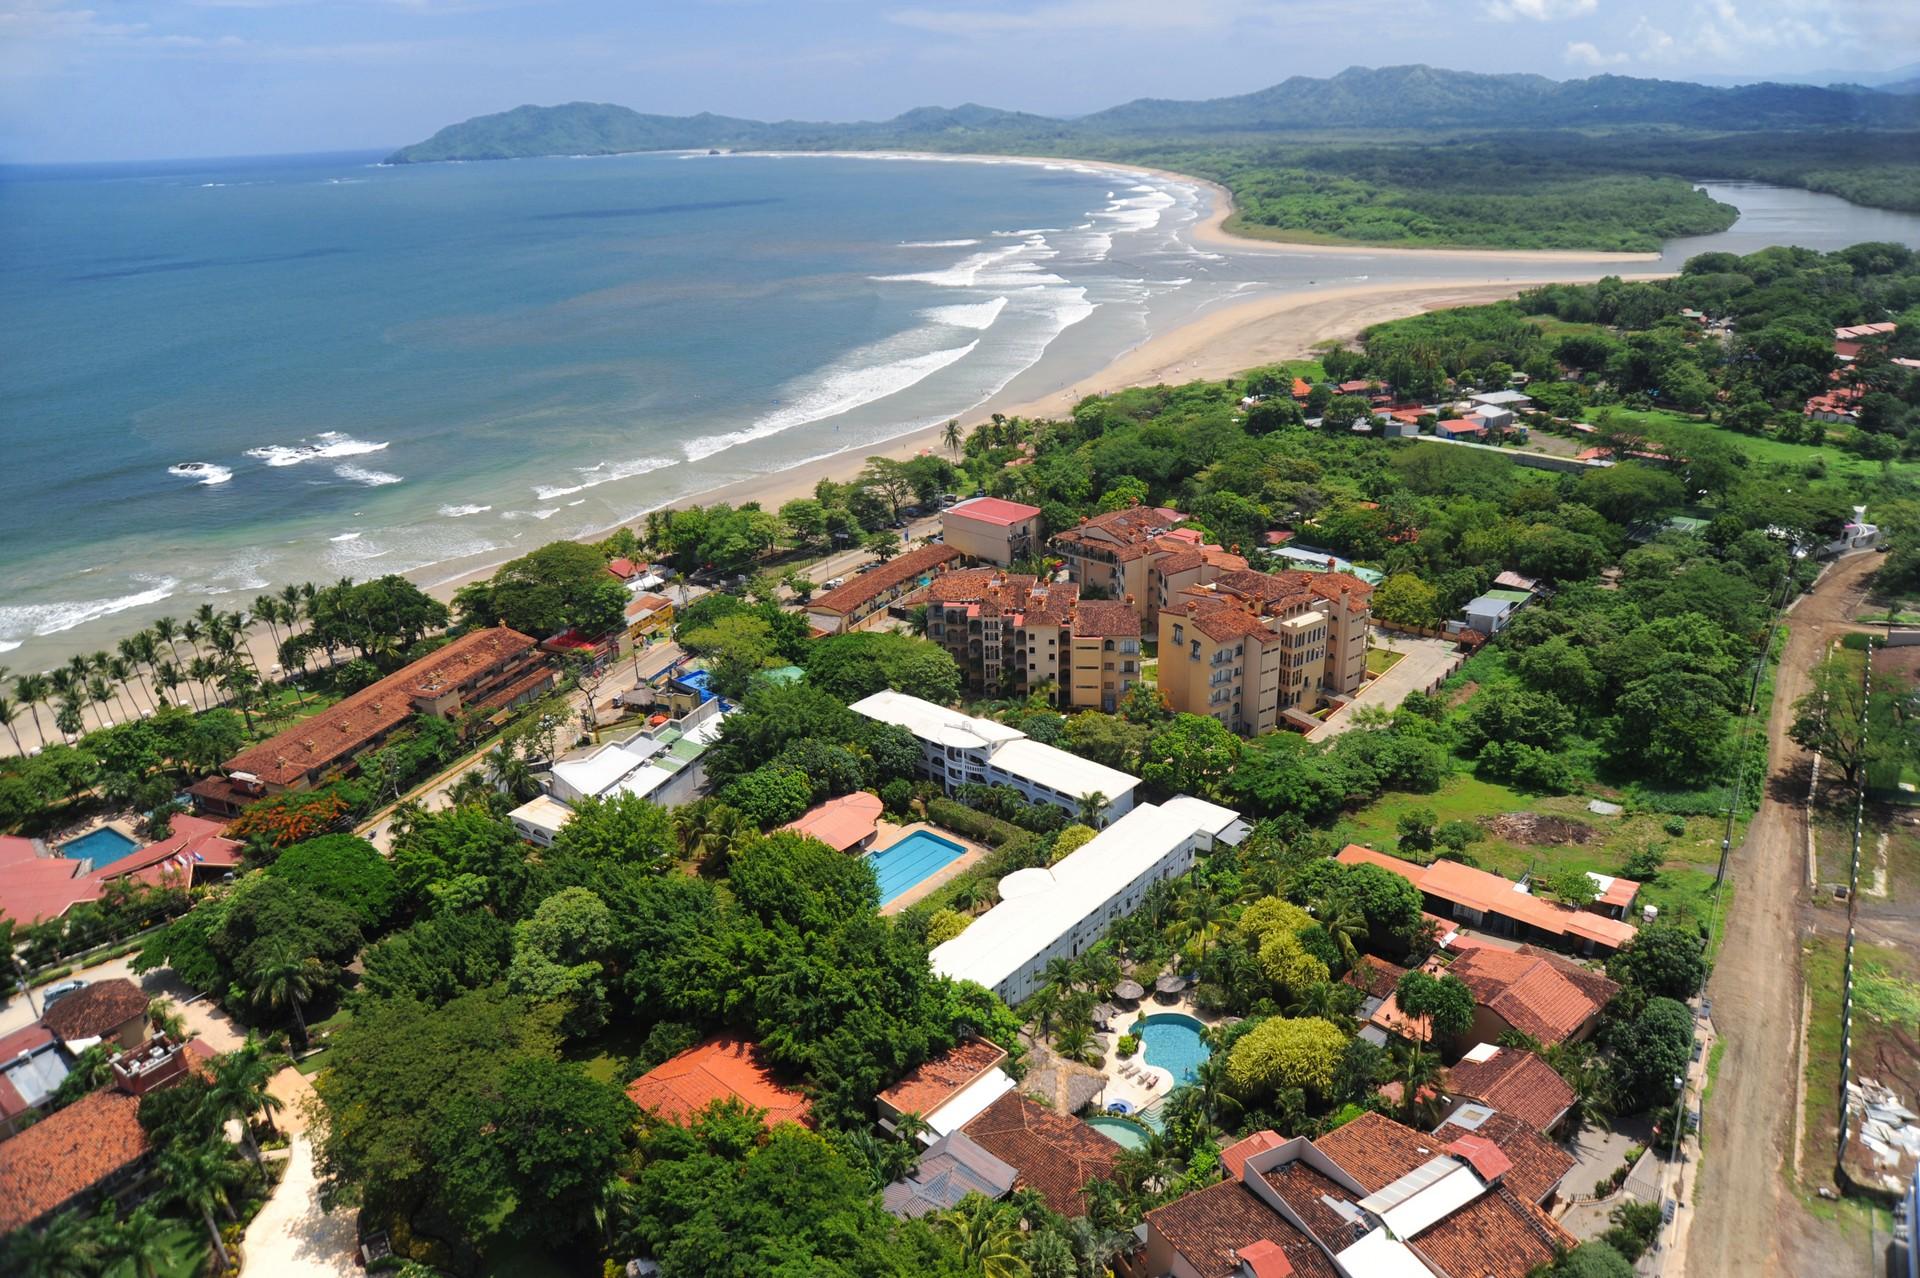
[{"x": 225, "y": 376}]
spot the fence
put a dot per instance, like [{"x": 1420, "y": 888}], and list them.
[{"x": 1853, "y": 908}]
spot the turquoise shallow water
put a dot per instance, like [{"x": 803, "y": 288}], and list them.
[
  {"x": 1172, "y": 1041},
  {"x": 225, "y": 376},
  {"x": 911, "y": 862}
]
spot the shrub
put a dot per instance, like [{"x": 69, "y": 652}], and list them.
[
  {"x": 1127, "y": 1045},
  {"x": 975, "y": 825},
  {"x": 945, "y": 925},
  {"x": 1675, "y": 826}
]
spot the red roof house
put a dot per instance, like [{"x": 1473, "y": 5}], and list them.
[
  {"x": 719, "y": 1069},
  {"x": 1055, "y": 1154},
  {"x": 69, "y": 1155}
]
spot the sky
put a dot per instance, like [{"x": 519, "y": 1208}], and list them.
[{"x": 154, "y": 79}]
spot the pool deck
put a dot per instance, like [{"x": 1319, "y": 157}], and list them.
[
  {"x": 890, "y": 834},
  {"x": 1134, "y": 1090},
  {"x": 118, "y": 823}
]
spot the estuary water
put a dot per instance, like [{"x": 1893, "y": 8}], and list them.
[{"x": 220, "y": 377}]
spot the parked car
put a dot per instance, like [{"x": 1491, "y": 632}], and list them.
[
  {"x": 54, "y": 993},
  {"x": 833, "y": 583}
]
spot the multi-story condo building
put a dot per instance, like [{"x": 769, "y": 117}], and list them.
[
  {"x": 992, "y": 530},
  {"x": 1141, "y": 557},
  {"x": 1259, "y": 651},
  {"x": 1020, "y": 634}
]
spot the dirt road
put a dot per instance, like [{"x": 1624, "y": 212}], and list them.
[{"x": 1747, "y": 1219}]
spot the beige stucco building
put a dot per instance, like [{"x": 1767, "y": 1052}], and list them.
[
  {"x": 1259, "y": 651},
  {"x": 992, "y": 530},
  {"x": 1019, "y": 634},
  {"x": 1141, "y": 557}
]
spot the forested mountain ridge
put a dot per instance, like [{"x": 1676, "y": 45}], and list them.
[{"x": 1399, "y": 98}]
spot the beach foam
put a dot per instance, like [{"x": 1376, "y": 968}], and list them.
[
  {"x": 328, "y": 444},
  {"x": 19, "y": 621},
  {"x": 962, "y": 274},
  {"x": 937, "y": 243},
  {"x": 362, "y": 475},
  {"x": 854, "y": 380},
  {"x": 457, "y": 512},
  {"x": 976, "y": 315},
  {"x": 345, "y": 537},
  {"x": 602, "y": 473},
  {"x": 206, "y": 472}
]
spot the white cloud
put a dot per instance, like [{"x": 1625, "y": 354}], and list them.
[
  {"x": 1585, "y": 53},
  {"x": 1718, "y": 32},
  {"x": 1540, "y": 10}
]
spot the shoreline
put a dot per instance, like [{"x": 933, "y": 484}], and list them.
[{"x": 1219, "y": 342}]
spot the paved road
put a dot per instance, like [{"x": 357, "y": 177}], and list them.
[
  {"x": 202, "y": 1017},
  {"x": 1747, "y": 1219}
]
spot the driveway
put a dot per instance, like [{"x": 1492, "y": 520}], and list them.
[
  {"x": 202, "y": 1016},
  {"x": 1424, "y": 663}
]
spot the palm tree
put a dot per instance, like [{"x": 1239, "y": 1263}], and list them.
[
  {"x": 952, "y": 437},
  {"x": 202, "y": 671},
  {"x": 910, "y": 1127},
  {"x": 100, "y": 692},
  {"x": 68, "y": 718},
  {"x": 9, "y": 711},
  {"x": 67, "y": 1247},
  {"x": 31, "y": 689},
  {"x": 1076, "y": 1043},
  {"x": 1202, "y": 911},
  {"x": 1318, "y": 999},
  {"x": 1062, "y": 973},
  {"x": 989, "y": 1240},
  {"x": 146, "y": 652},
  {"x": 127, "y": 667},
  {"x": 167, "y": 678},
  {"x": 1091, "y": 809},
  {"x": 120, "y": 670},
  {"x": 240, "y": 684},
  {"x": 1041, "y": 1007},
  {"x": 267, "y": 608},
  {"x": 1418, "y": 1073},
  {"x": 201, "y": 1178},
  {"x": 286, "y": 978},
  {"x": 166, "y": 1018},
  {"x": 239, "y": 1089},
  {"x": 140, "y": 1240},
  {"x": 1346, "y": 923}
]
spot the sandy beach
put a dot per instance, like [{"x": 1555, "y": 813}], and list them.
[{"x": 1219, "y": 342}]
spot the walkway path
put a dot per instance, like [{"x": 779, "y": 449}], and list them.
[
  {"x": 292, "y": 1237},
  {"x": 1423, "y": 663},
  {"x": 1747, "y": 1219}
]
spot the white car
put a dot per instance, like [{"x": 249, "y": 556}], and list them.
[{"x": 833, "y": 583}]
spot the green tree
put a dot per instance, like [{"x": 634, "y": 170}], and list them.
[
  {"x": 621, "y": 828},
  {"x": 735, "y": 648},
  {"x": 1281, "y": 1052},
  {"x": 560, "y": 955},
  {"x": 1663, "y": 961},
  {"x": 1443, "y": 1001},
  {"x": 1192, "y": 754},
  {"x": 286, "y": 978},
  {"x": 344, "y": 869},
  {"x": 203, "y": 1178}
]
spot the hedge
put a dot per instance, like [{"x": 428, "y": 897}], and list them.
[{"x": 975, "y": 825}]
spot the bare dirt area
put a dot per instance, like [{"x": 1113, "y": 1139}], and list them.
[
  {"x": 1748, "y": 1219},
  {"x": 1531, "y": 827}
]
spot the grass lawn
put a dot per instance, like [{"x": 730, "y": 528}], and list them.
[
  {"x": 1683, "y": 890},
  {"x": 1824, "y": 961},
  {"x": 1381, "y": 660},
  {"x": 317, "y": 1032},
  {"x": 604, "y": 1054},
  {"x": 186, "y": 1253},
  {"x": 1837, "y": 461}
]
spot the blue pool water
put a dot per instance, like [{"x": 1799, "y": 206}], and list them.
[
  {"x": 103, "y": 847},
  {"x": 1118, "y": 1130},
  {"x": 911, "y": 861},
  {"x": 1172, "y": 1041}
]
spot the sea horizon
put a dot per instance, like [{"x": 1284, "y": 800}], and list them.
[{"x": 303, "y": 368}]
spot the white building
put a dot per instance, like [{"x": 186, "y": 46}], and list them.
[
  {"x": 957, "y": 749},
  {"x": 663, "y": 763},
  {"x": 1058, "y": 912}
]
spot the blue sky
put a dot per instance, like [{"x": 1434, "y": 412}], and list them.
[{"x": 113, "y": 79}]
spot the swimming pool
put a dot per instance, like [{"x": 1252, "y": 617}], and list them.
[
  {"x": 1125, "y": 1134},
  {"x": 911, "y": 862},
  {"x": 103, "y": 847},
  {"x": 1172, "y": 1041}
]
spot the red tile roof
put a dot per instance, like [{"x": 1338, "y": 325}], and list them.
[
  {"x": 843, "y": 822},
  {"x": 66, "y": 1154},
  {"x": 1597, "y": 985},
  {"x": 1234, "y": 1157},
  {"x": 881, "y": 578},
  {"x": 1212, "y": 1229},
  {"x": 995, "y": 510},
  {"x": 1376, "y": 1151},
  {"x": 1481, "y": 1154},
  {"x": 718, "y": 1069},
  {"x": 1105, "y": 619},
  {"x": 343, "y": 729},
  {"x": 195, "y": 841},
  {"x": 1526, "y": 992},
  {"x": 625, "y": 569},
  {"x": 933, "y": 1083},
  {"x": 1497, "y": 1235},
  {"x": 1514, "y": 1082},
  {"x": 1053, "y": 1153},
  {"x": 1536, "y": 1165},
  {"x": 1382, "y": 977},
  {"x": 1479, "y": 890},
  {"x": 97, "y": 1010},
  {"x": 36, "y": 888}
]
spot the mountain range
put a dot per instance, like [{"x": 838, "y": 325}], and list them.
[{"x": 1411, "y": 98}]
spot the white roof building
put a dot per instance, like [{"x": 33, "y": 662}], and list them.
[
  {"x": 957, "y": 749},
  {"x": 1060, "y": 911}
]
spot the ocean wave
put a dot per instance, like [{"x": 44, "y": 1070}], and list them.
[
  {"x": 1025, "y": 232},
  {"x": 977, "y": 315},
  {"x": 8, "y": 645},
  {"x": 849, "y": 383},
  {"x": 547, "y": 512},
  {"x": 206, "y": 472},
  {"x": 936, "y": 243},
  {"x": 371, "y": 478},
  {"x": 18, "y": 621},
  {"x": 963, "y": 274},
  {"x": 327, "y": 444},
  {"x": 457, "y": 512},
  {"x": 1138, "y": 213},
  {"x": 602, "y": 473},
  {"x": 345, "y": 537}
]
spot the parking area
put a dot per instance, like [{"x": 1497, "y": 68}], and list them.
[{"x": 1423, "y": 664}]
